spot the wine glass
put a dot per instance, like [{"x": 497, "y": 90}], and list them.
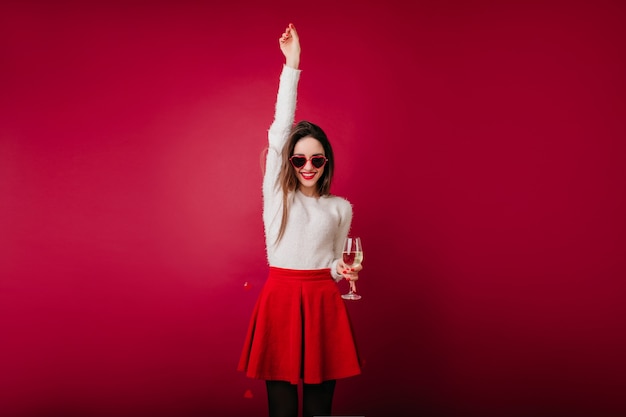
[{"x": 352, "y": 256}]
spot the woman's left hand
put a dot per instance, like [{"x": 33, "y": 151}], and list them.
[{"x": 349, "y": 272}]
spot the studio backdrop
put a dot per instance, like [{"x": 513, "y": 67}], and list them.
[{"x": 481, "y": 144}]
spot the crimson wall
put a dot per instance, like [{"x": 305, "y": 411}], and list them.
[{"x": 480, "y": 142}]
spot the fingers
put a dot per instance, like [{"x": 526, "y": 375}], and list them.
[
  {"x": 286, "y": 34},
  {"x": 351, "y": 274},
  {"x": 290, "y": 32}
]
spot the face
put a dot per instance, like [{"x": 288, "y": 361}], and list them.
[{"x": 308, "y": 175}]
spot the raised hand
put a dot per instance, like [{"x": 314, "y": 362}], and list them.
[{"x": 290, "y": 46}]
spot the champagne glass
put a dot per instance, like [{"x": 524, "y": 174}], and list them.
[{"x": 352, "y": 256}]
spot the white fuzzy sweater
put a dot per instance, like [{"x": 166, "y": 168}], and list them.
[{"x": 316, "y": 227}]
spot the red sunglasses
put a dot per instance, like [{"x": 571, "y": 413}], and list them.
[{"x": 317, "y": 161}]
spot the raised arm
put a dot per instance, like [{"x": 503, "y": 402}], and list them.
[
  {"x": 284, "y": 115},
  {"x": 279, "y": 129}
]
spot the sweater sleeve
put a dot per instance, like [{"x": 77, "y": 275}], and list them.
[
  {"x": 285, "y": 107},
  {"x": 342, "y": 233},
  {"x": 277, "y": 136}
]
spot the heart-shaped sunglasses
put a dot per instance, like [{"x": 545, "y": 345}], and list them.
[{"x": 317, "y": 161}]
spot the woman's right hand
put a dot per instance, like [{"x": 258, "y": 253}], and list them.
[{"x": 290, "y": 46}]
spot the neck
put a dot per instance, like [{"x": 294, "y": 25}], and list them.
[{"x": 309, "y": 191}]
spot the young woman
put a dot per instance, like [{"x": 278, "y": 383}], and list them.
[{"x": 300, "y": 329}]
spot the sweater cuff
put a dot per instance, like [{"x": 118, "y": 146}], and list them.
[
  {"x": 333, "y": 271},
  {"x": 290, "y": 73}
]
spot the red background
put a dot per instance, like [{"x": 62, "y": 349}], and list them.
[{"x": 480, "y": 142}]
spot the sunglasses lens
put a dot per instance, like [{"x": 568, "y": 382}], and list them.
[
  {"x": 298, "y": 161},
  {"x": 318, "y": 161}
]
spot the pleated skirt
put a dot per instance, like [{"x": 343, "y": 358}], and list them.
[{"x": 300, "y": 330}]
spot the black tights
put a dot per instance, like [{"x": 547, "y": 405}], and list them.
[{"x": 282, "y": 398}]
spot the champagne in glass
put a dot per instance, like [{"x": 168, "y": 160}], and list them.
[{"x": 352, "y": 256}]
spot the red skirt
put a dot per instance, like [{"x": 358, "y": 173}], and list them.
[{"x": 300, "y": 330}]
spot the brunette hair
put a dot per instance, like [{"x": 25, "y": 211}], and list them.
[{"x": 287, "y": 179}]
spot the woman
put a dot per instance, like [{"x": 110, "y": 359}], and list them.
[{"x": 300, "y": 329}]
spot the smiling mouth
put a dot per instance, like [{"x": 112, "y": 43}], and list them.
[{"x": 308, "y": 175}]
